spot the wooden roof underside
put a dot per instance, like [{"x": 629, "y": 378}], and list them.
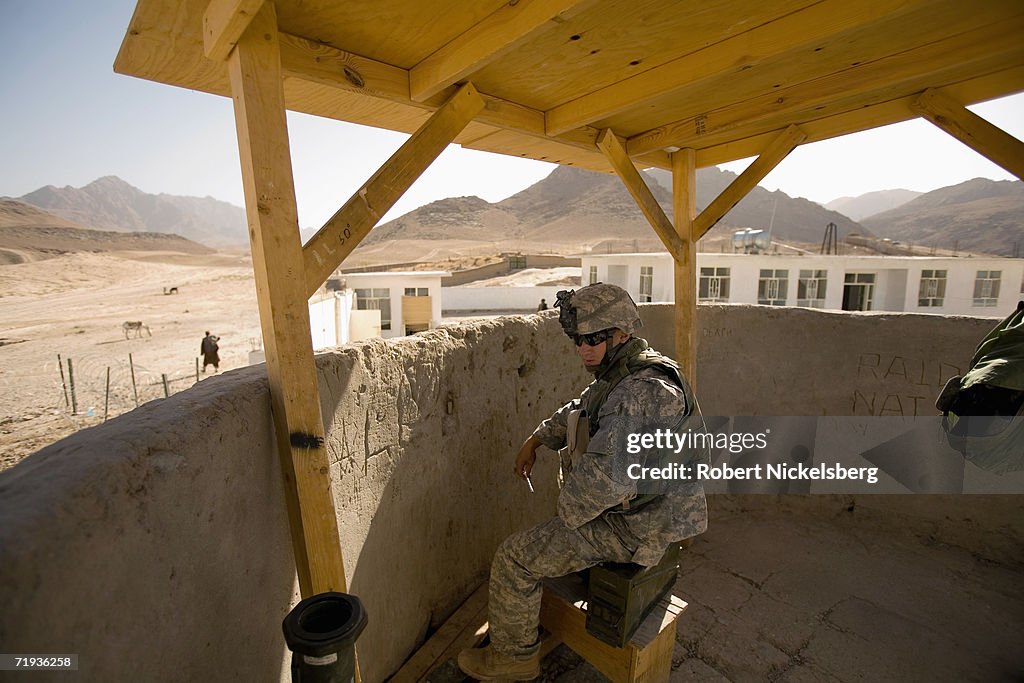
[{"x": 724, "y": 78}]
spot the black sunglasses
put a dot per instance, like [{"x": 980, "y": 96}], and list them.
[{"x": 594, "y": 338}]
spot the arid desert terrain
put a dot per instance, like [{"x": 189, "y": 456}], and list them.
[{"x": 74, "y": 306}]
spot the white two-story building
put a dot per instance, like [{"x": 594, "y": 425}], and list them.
[
  {"x": 354, "y": 306},
  {"x": 982, "y": 286}
]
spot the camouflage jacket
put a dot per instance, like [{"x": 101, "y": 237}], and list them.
[{"x": 598, "y": 482}]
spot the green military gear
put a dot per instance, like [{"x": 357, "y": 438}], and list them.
[
  {"x": 984, "y": 409},
  {"x": 630, "y": 357},
  {"x": 597, "y": 307}
]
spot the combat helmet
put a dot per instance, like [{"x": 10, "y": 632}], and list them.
[{"x": 596, "y": 307}]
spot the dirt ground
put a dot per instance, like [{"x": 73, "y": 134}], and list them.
[{"x": 73, "y": 306}]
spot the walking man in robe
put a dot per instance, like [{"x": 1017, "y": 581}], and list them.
[{"x": 209, "y": 348}]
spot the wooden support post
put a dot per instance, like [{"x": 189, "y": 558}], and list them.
[
  {"x": 785, "y": 143},
  {"x": 63, "y": 382},
  {"x": 984, "y": 138},
  {"x": 612, "y": 148},
  {"x": 106, "y": 397},
  {"x": 342, "y": 233},
  {"x": 71, "y": 381},
  {"x": 684, "y": 210},
  {"x": 135, "y": 389},
  {"x": 255, "y": 70}
]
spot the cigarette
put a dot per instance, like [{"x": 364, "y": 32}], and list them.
[{"x": 530, "y": 484}]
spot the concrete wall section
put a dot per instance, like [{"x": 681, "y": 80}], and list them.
[
  {"x": 155, "y": 546},
  {"x": 767, "y": 360},
  {"x": 458, "y": 300}
]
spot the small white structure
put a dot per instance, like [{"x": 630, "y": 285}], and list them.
[
  {"x": 986, "y": 286},
  {"x": 354, "y": 306}
]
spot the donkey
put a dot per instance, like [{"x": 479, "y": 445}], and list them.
[{"x": 135, "y": 326}]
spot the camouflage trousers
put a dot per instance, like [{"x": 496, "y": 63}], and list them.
[{"x": 524, "y": 558}]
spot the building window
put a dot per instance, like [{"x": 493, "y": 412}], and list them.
[
  {"x": 376, "y": 299},
  {"x": 416, "y": 291},
  {"x": 592, "y": 280},
  {"x": 858, "y": 291},
  {"x": 516, "y": 262},
  {"x": 810, "y": 288},
  {"x": 646, "y": 283},
  {"x": 772, "y": 287},
  {"x": 986, "y": 287},
  {"x": 932, "y": 291},
  {"x": 714, "y": 284}
]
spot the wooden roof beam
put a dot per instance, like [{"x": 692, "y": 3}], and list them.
[
  {"x": 326, "y": 65},
  {"x": 865, "y": 118},
  {"x": 778, "y": 150},
  {"x": 500, "y": 32},
  {"x": 954, "y": 58},
  {"x": 326, "y": 250},
  {"x": 986, "y": 139},
  {"x": 727, "y": 58},
  {"x": 224, "y": 22},
  {"x": 612, "y": 148},
  {"x": 318, "y": 63}
]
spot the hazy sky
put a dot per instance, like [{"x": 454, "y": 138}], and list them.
[{"x": 66, "y": 119}]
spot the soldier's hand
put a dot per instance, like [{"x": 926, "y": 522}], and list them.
[{"x": 525, "y": 458}]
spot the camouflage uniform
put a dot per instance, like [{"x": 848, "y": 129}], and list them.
[{"x": 591, "y": 527}]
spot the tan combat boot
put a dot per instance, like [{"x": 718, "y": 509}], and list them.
[{"x": 486, "y": 665}]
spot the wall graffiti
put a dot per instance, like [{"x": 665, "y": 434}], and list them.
[{"x": 900, "y": 386}]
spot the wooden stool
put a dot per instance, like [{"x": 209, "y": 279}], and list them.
[{"x": 647, "y": 658}]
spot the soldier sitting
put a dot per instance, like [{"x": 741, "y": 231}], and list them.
[{"x": 601, "y": 516}]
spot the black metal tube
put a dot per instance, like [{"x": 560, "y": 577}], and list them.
[{"x": 321, "y": 632}]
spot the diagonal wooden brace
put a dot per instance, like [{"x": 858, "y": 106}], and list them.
[
  {"x": 984, "y": 138},
  {"x": 612, "y": 148},
  {"x": 353, "y": 221},
  {"x": 778, "y": 150}
]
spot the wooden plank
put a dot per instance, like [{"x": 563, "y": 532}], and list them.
[
  {"x": 748, "y": 180},
  {"x": 322, "y": 64},
  {"x": 612, "y": 148},
  {"x": 569, "y": 623},
  {"x": 353, "y": 221},
  {"x": 866, "y": 118},
  {"x": 983, "y": 137},
  {"x": 464, "y": 628},
  {"x": 653, "y": 664},
  {"x": 907, "y": 30},
  {"x": 727, "y": 58},
  {"x": 684, "y": 210},
  {"x": 511, "y": 25},
  {"x": 254, "y": 68},
  {"x": 949, "y": 60},
  {"x": 561, "y": 613},
  {"x": 224, "y": 22}
]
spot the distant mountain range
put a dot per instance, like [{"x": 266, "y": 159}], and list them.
[
  {"x": 862, "y": 206},
  {"x": 27, "y": 233},
  {"x": 980, "y": 215},
  {"x": 110, "y": 203},
  {"x": 574, "y": 210}
]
